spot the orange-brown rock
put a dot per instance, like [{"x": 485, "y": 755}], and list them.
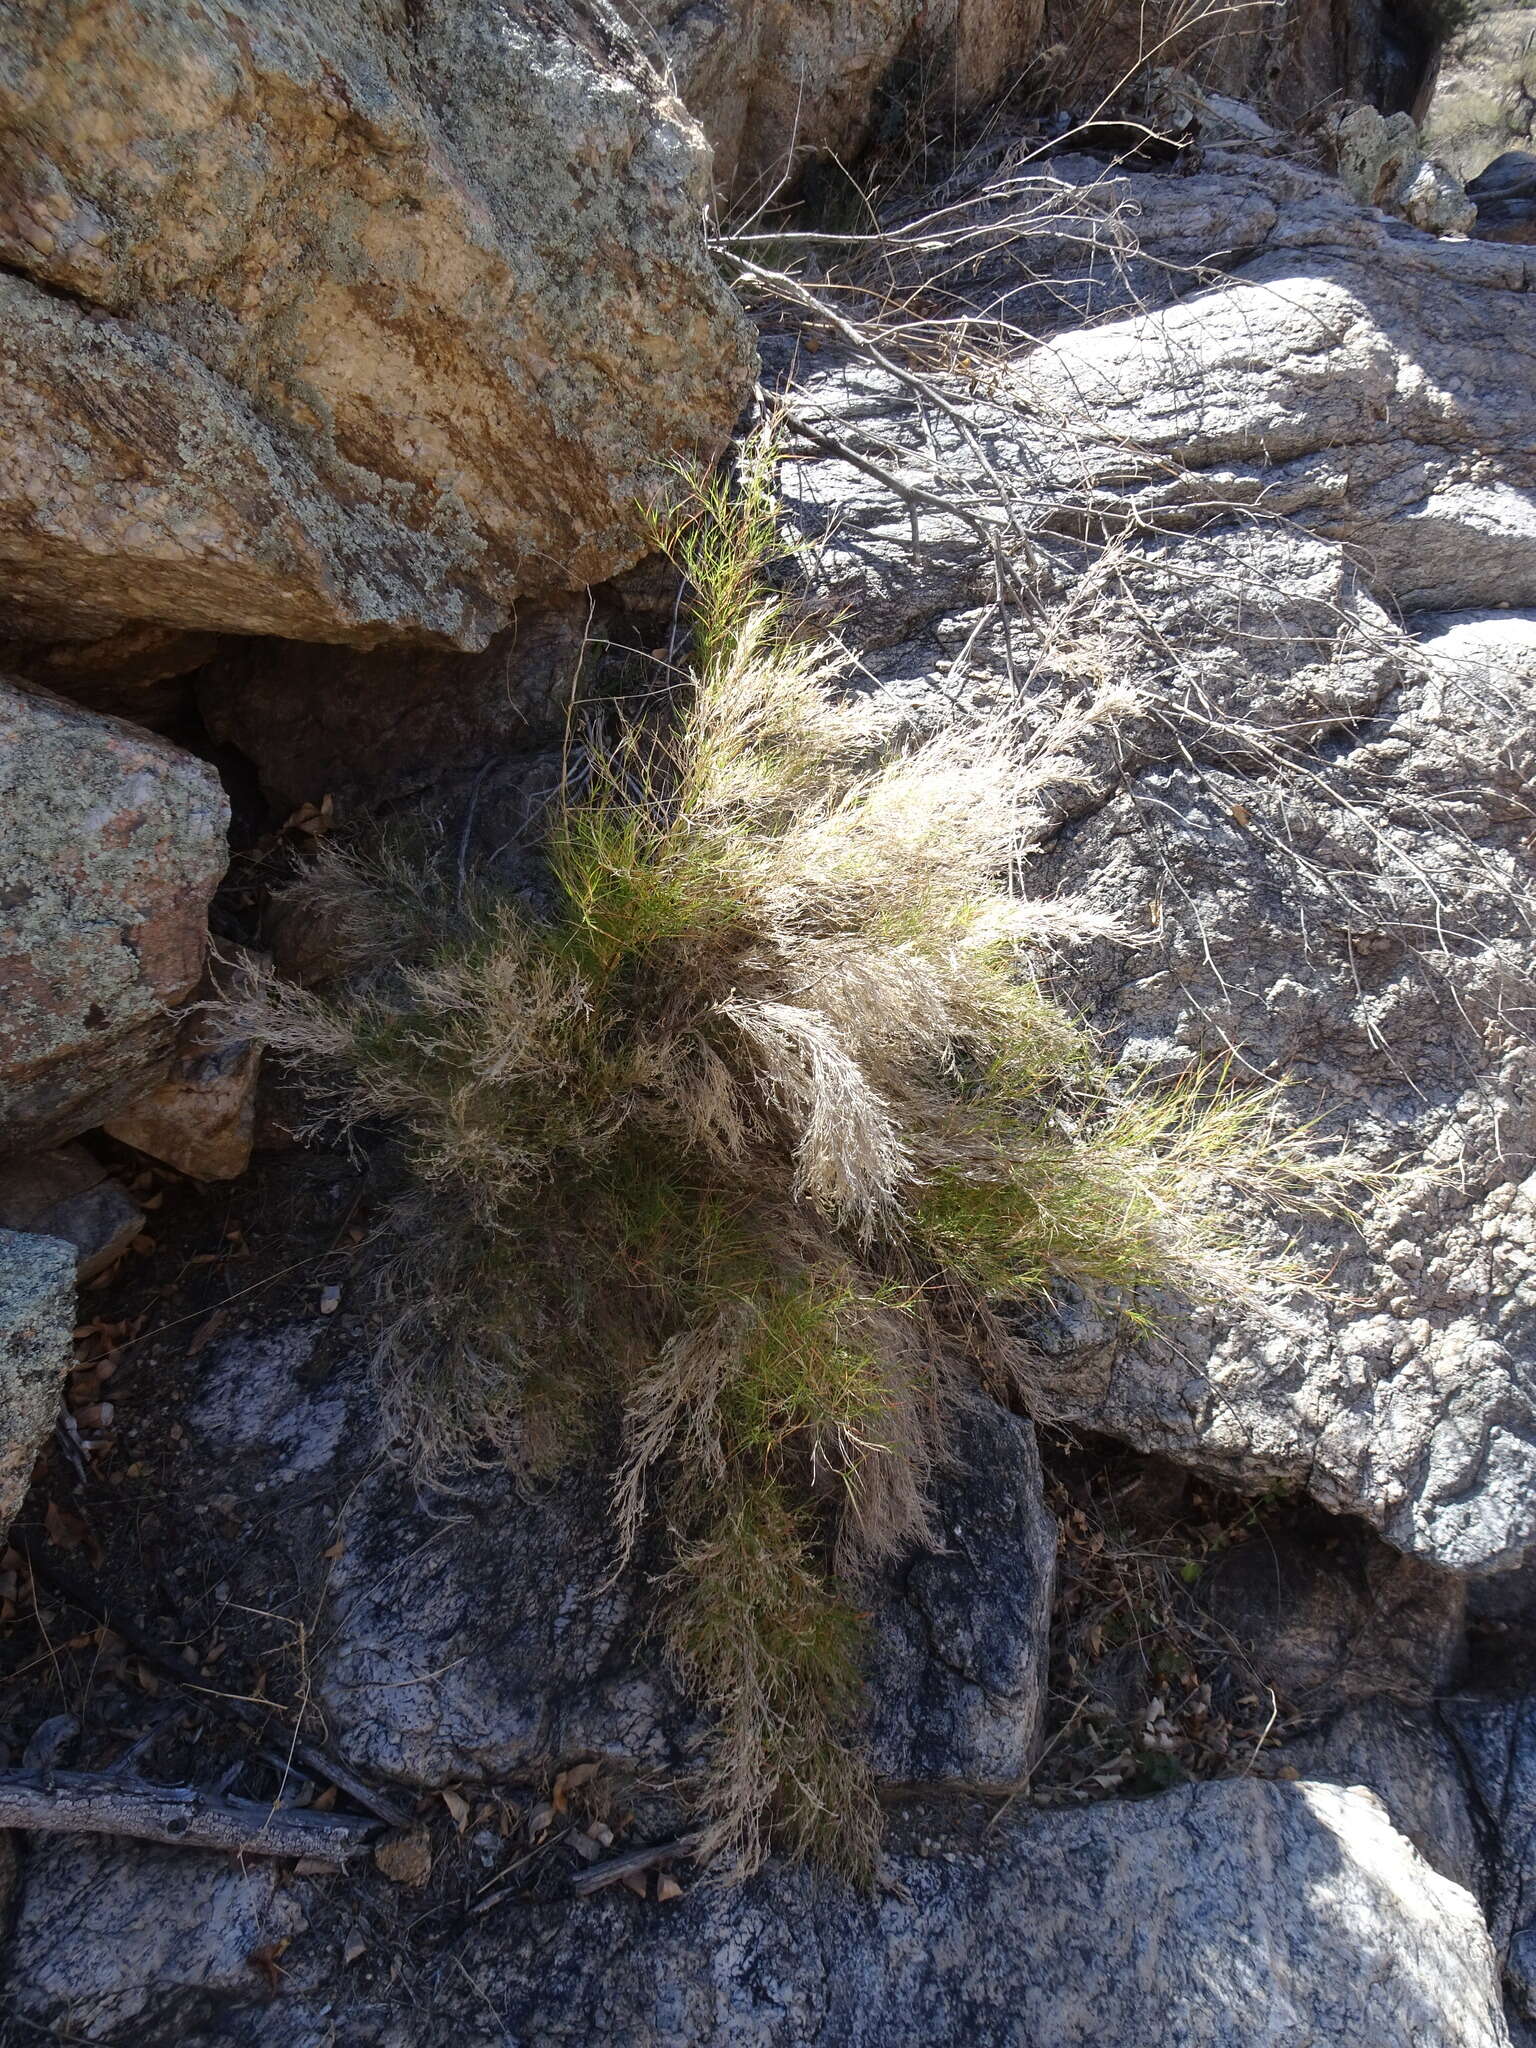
[{"x": 343, "y": 323}]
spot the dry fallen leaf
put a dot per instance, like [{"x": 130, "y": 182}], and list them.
[
  {"x": 207, "y": 1329},
  {"x": 405, "y": 1858},
  {"x": 458, "y": 1806},
  {"x": 69, "y": 1531},
  {"x": 634, "y": 1881},
  {"x": 266, "y": 1960},
  {"x": 355, "y": 1947},
  {"x": 667, "y": 1887}
]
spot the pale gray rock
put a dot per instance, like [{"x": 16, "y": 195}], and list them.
[
  {"x": 399, "y": 313},
  {"x": 107, "y": 1931},
  {"x": 253, "y": 1402},
  {"x": 111, "y": 844},
  {"x": 1355, "y": 918},
  {"x": 37, "y": 1320},
  {"x": 1385, "y": 400},
  {"x": 1216, "y": 1914},
  {"x": 1380, "y": 161},
  {"x": 1210, "y": 1917},
  {"x": 1411, "y": 1759},
  {"x": 1319, "y": 819}
]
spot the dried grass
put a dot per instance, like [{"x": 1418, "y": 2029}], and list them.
[{"x": 739, "y": 1130}]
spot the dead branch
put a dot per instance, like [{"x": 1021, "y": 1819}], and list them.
[
  {"x": 103, "y": 1803},
  {"x": 597, "y": 1876}
]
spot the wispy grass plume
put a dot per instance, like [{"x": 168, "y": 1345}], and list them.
[{"x": 740, "y": 1132}]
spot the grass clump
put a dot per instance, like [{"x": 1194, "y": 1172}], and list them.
[{"x": 736, "y": 1129}]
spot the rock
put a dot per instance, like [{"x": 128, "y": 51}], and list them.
[
  {"x": 776, "y": 83},
  {"x": 395, "y": 319},
  {"x": 1505, "y": 197},
  {"x": 369, "y": 729},
  {"x": 1210, "y": 1916},
  {"x": 67, "y": 1194},
  {"x": 1413, "y": 1763},
  {"x": 254, "y": 1405},
  {"x": 1328, "y": 1615},
  {"x": 475, "y": 1638},
  {"x": 1410, "y": 1397},
  {"x": 557, "y": 1663},
  {"x": 111, "y": 844},
  {"x": 1380, "y": 162},
  {"x": 201, "y": 1119},
  {"x": 137, "y": 673},
  {"x": 1480, "y": 98},
  {"x": 1345, "y": 391},
  {"x": 1325, "y": 813},
  {"x": 1213, "y": 1915},
  {"x": 37, "y": 1321},
  {"x": 957, "y": 1672},
  {"x": 111, "y": 1930},
  {"x": 1497, "y": 1740},
  {"x": 1286, "y": 61}
]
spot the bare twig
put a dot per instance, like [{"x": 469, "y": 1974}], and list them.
[
  {"x": 597, "y": 1876},
  {"x": 106, "y": 1803}
]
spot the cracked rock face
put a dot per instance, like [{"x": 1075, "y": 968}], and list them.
[
  {"x": 342, "y": 323},
  {"x": 486, "y": 1635},
  {"x": 1481, "y": 97},
  {"x": 1211, "y": 1917},
  {"x": 1318, "y": 816},
  {"x": 111, "y": 845}
]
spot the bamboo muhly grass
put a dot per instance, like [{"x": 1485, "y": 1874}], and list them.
[{"x": 737, "y": 1134}]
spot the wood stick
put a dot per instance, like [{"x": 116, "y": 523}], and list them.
[
  {"x": 98, "y": 1803},
  {"x": 597, "y": 1875}
]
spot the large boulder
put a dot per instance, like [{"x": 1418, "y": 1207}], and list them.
[
  {"x": 1211, "y": 1917},
  {"x": 37, "y": 1320},
  {"x": 776, "y": 83},
  {"x": 111, "y": 844},
  {"x": 339, "y": 324},
  {"x": 1480, "y": 97},
  {"x": 485, "y": 1635},
  {"x": 1362, "y": 380},
  {"x": 1318, "y": 815},
  {"x": 426, "y": 1680}
]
